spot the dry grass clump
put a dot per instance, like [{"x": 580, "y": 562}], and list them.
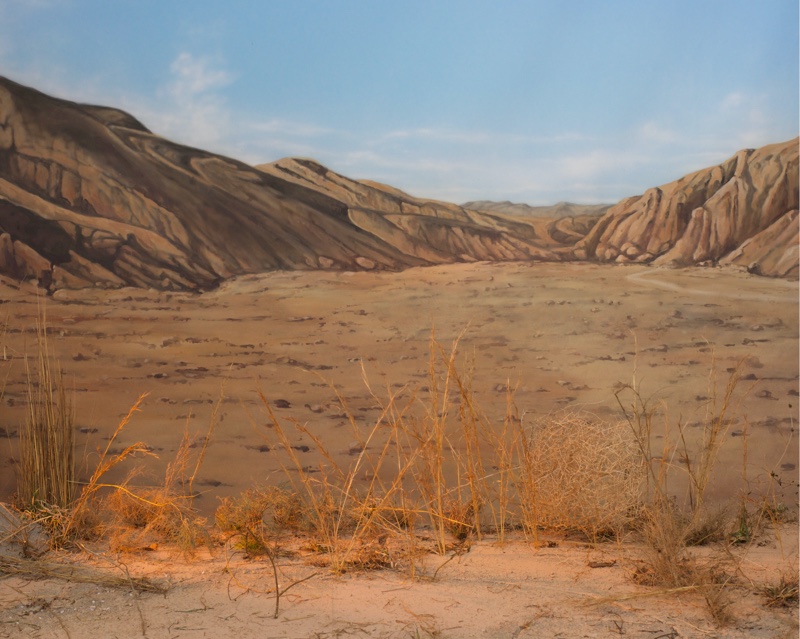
[
  {"x": 260, "y": 516},
  {"x": 672, "y": 520},
  {"x": 428, "y": 468},
  {"x": 82, "y": 519},
  {"x": 443, "y": 466},
  {"x": 141, "y": 517},
  {"x": 144, "y": 515},
  {"x": 46, "y": 469},
  {"x": 782, "y": 594},
  {"x": 581, "y": 473},
  {"x": 324, "y": 502}
]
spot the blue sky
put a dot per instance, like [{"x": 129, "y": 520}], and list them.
[{"x": 530, "y": 100}]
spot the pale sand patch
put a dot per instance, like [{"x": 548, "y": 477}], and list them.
[{"x": 491, "y": 591}]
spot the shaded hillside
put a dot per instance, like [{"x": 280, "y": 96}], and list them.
[
  {"x": 89, "y": 196},
  {"x": 743, "y": 211}
]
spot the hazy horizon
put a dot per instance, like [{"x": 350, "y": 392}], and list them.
[{"x": 534, "y": 102}]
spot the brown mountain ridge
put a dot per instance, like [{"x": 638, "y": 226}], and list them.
[{"x": 90, "y": 197}]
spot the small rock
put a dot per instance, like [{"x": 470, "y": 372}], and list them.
[
  {"x": 754, "y": 268},
  {"x": 365, "y": 262},
  {"x": 354, "y": 448}
]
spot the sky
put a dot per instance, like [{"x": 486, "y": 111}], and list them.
[{"x": 534, "y": 101}]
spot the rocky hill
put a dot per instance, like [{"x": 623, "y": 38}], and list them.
[
  {"x": 743, "y": 212},
  {"x": 89, "y": 196}
]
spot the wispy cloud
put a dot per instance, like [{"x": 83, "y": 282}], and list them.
[
  {"x": 475, "y": 138},
  {"x": 654, "y": 132},
  {"x": 747, "y": 112},
  {"x": 289, "y": 127},
  {"x": 191, "y": 107},
  {"x": 194, "y": 76}
]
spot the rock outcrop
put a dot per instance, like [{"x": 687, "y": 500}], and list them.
[
  {"x": 89, "y": 196},
  {"x": 743, "y": 211}
]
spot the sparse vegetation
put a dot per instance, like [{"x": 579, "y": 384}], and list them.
[
  {"x": 442, "y": 470},
  {"x": 672, "y": 521},
  {"x": 47, "y": 488}
]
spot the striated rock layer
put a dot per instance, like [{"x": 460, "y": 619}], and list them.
[
  {"x": 742, "y": 212},
  {"x": 89, "y": 196}
]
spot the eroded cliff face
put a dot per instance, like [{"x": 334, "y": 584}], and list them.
[
  {"x": 89, "y": 196},
  {"x": 740, "y": 212}
]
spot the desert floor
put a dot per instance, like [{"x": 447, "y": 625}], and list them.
[
  {"x": 565, "y": 337},
  {"x": 509, "y": 591}
]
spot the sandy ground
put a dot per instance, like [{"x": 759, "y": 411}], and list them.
[
  {"x": 566, "y": 336},
  {"x": 516, "y": 590}
]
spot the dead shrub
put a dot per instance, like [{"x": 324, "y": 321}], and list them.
[{"x": 580, "y": 473}]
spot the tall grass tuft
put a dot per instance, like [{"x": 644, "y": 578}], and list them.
[{"x": 47, "y": 466}]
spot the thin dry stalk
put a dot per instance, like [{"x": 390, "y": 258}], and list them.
[
  {"x": 525, "y": 484},
  {"x": 476, "y": 432},
  {"x": 207, "y": 439}
]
